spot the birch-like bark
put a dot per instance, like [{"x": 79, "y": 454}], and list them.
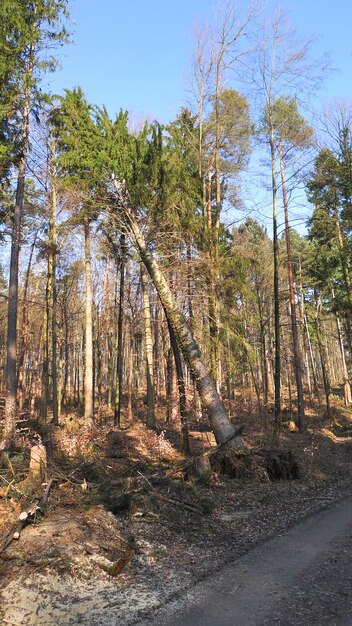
[
  {"x": 151, "y": 423},
  {"x": 222, "y": 426}
]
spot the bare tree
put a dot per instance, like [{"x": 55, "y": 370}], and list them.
[{"x": 282, "y": 67}]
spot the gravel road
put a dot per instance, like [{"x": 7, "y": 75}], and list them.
[{"x": 303, "y": 577}]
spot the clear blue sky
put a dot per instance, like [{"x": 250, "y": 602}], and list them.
[{"x": 135, "y": 54}]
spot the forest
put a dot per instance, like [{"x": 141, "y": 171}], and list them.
[{"x": 166, "y": 353}]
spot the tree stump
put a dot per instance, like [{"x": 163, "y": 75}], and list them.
[
  {"x": 203, "y": 468},
  {"x": 38, "y": 462}
]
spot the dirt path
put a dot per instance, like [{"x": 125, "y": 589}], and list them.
[
  {"x": 241, "y": 550},
  {"x": 301, "y": 577}
]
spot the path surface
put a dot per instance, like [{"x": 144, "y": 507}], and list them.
[{"x": 302, "y": 577}]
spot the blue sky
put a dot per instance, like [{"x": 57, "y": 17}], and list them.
[
  {"x": 135, "y": 54},
  {"x": 132, "y": 54}
]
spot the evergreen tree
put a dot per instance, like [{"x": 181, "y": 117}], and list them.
[{"x": 38, "y": 27}]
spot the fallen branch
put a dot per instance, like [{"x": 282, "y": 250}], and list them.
[
  {"x": 114, "y": 569},
  {"x": 28, "y": 516},
  {"x": 179, "y": 503},
  {"x": 5, "y": 491},
  {"x": 8, "y": 461}
]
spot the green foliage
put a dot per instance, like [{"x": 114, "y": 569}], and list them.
[
  {"x": 115, "y": 144},
  {"x": 147, "y": 173},
  {"x": 234, "y": 132},
  {"x": 77, "y": 141},
  {"x": 323, "y": 183},
  {"x": 28, "y": 33},
  {"x": 246, "y": 290},
  {"x": 182, "y": 184},
  {"x": 160, "y": 172},
  {"x": 289, "y": 126},
  {"x": 326, "y": 190}
]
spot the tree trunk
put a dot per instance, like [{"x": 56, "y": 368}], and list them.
[
  {"x": 34, "y": 387},
  {"x": 52, "y": 262},
  {"x": 63, "y": 395},
  {"x": 346, "y": 382},
  {"x": 222, "y": 426},
  {"x": 110, "y": 347},
  {"x": 172, "y": 404},
  {"x": 25, "y": 330},
  {"x": 295, "y": 334},
  {"x": 148, "y": 352},
  {"x": 119, "y": 356},
  {"x": 12, "y": 311},
  {"x": 46, "y": 344},
  {"x": 88, "y": 369},
  {"x": 182, "y": 392},
  {"x": 156, "y": 353},
  {"x": 345, "y": 271},
  {"x": 326, "y": 380},
  {"x": 130, "y": 372},
  {"x": 277, "y": 371}
]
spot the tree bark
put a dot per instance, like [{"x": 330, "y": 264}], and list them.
[
  {"x": 46, "y": 344},
  {"x": 172, "y": 404},
  {"x": 277, "y": 371},
  {"x": 345, "y": 271},
  {"x": 181, "y": 390},
  {"x": 88, "y": 369},
  {"x": 12, "y": 311},
  {"x": 222, "y": 427},
  {"x": 25, "y": 330},
  {"x": 119, "y": 356},
  {"x": 298, "y": 367},
  {"x": 326, "y": 381},
  {"x": 151, "y": 423},
  {"x": 130, "y": 371},
  {"x": 52, "y": 263},
  {"x": 346, "y": 382}
]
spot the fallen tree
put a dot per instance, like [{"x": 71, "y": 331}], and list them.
[{"x": 220, "y": 422}]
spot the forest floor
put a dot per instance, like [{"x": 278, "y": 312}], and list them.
[{"x": 129, "y": 527}]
